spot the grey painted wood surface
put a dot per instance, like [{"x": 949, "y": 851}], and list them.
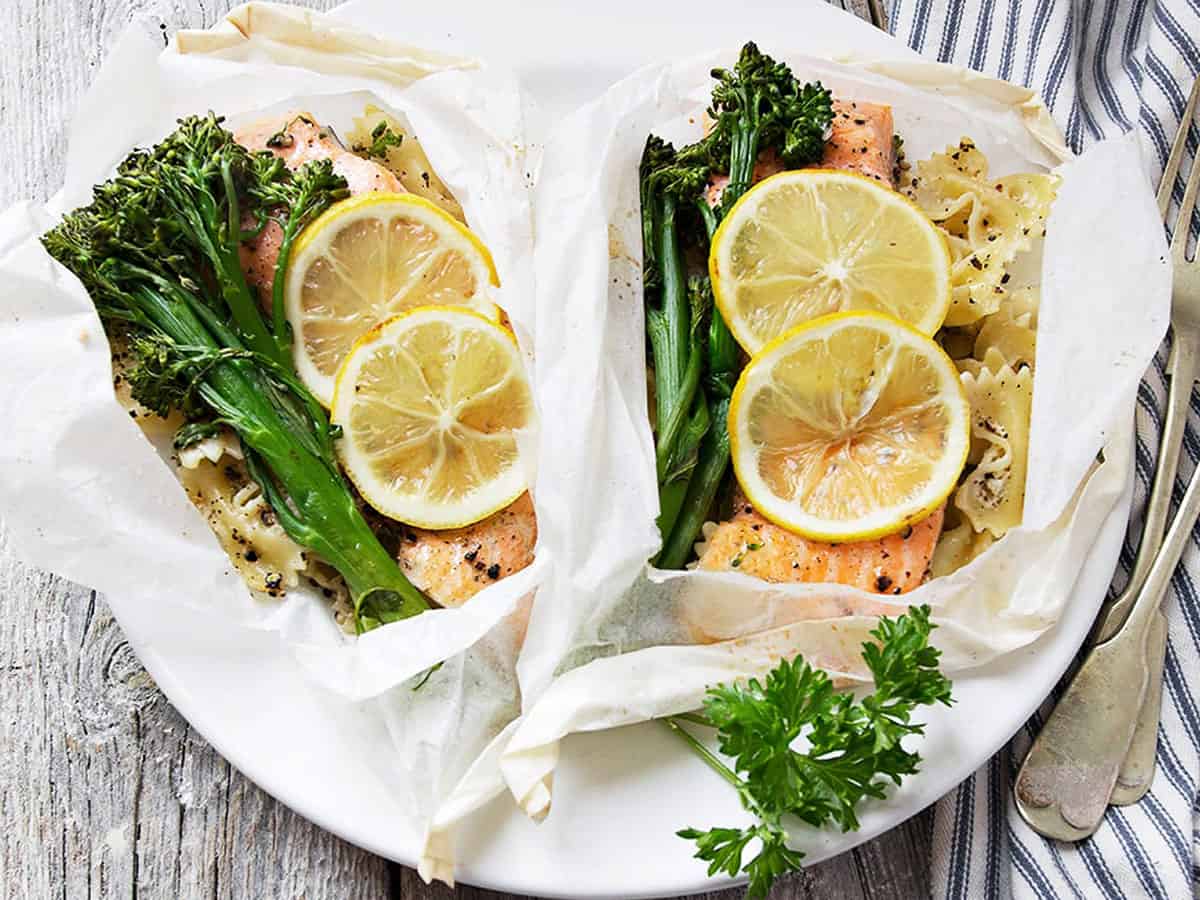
[{"x": 105, "y": 791}]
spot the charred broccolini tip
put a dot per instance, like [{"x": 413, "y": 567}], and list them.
[
  {"x": 157, "y": 249},
  {"x": 760, "y": 104}
]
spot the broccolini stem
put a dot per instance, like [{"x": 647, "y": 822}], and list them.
[
  {"x": 279, "y": 322},
  {"x": 724, "y": 354},
  {"x": 308, "y": 495},
  {"x": 706, "y": 479},
  {"x": 708, "y": 216},
  {"x": 669, "y": 370},
  {"x": 301, "y": 484},
  {"x": 224, "y": 242},
  {"x": 671, "y": 495},
  {"x": 742, "y": 156},
  {"x": 337, "y": 532},
  {"x": 650, "y": 211},
  {"x": 669, "y": 431},
  {"x": 673, "y": 486},
  {"x": 723, "y": 365},
  {"x": 677, "y": 361}
]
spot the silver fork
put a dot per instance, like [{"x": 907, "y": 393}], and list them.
[
  {"x": 1098, "y": 745},
  {"x": 1137, "y": 771}
]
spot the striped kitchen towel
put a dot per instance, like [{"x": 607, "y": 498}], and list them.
[{"x": 1103, "y": 67}]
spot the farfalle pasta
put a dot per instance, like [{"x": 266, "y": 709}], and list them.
[
  {"x": 972, "y": 365},
  {"x": 958, "y": 546},
  {"x": 990, "y": 332},
  {"x": 987, "y": 222},
  {"x": 1012, "y": 337},
  {"x": 213, "y": 473},
  {"x": 232, "y": 503},
  {"x": 992, "y": 496},
  {"x": 997, "y": 372}
]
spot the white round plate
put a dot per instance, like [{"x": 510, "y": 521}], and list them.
[{"x": 620, "y": 796}]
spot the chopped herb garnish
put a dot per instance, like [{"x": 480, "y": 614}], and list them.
[
  {"x": 853, "y": 746},
  {"x": 383, "y": 139}
]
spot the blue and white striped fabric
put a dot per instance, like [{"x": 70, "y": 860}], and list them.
[{"x": 1103, "y": 67}]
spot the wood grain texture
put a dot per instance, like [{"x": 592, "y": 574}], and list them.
[{"x": 105, "y": 791}]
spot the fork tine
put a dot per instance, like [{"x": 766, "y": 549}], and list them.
[
  {"x": 1171, "y": 172},
  {"x": 1183, "y": 224}
]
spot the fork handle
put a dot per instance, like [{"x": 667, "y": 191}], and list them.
[
  {"x": 1064, "y": 784},
  {"x": 1137, "y": 769},
  {"x": 1182, "y": 367}
]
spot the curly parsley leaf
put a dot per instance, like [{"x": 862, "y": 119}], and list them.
[{"x": 851, "y": 748}]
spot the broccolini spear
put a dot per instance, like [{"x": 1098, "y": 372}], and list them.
[
  {"x": 157, "y": 249},
  {"x": 675, "y": 345},
  {"x": 758, "y": 105},
  {"x": 295, "y": 201}
]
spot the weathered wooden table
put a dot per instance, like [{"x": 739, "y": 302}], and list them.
[{"x": 105, "y": 790}]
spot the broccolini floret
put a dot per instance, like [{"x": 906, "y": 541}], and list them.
[
  {"x": 758, "y": 105},
  {"x": 158, "y": 251}
]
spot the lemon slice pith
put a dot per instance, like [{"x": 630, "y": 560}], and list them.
[
  {"x": 431, "y": 404},
  {"x": 849, "y": 427},
  {"x": 807, "y": 243},
  {"x": 371, "y": 257}
]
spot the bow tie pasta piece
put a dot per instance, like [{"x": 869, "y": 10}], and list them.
[
  {"x": 1008, "y": 336},
  {"x": 211, "y": 448},
  {"x": 214, "y": 475},
  {"x": 986, "y": 223},
  {"x": 265, "y": 556},
  {"x": 992, "y": 497},
  {"x": 993, "y": 359},
  {"x": 232, "y": 503},
  {"x": 1021, "y": 301},
  {"x": 1013, "y": 338},
  {"x": 957, "y": 547}
]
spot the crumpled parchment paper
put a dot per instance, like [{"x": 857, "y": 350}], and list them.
[
  {"x": 610, "y": 641},
  {"x": 86, "y": 495},
  {"x": 621, "y": 642}
]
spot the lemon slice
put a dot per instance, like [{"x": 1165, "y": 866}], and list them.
[
  {"x": 371, "y": 257},
  {"x": 849, "y": 427},
  {"x": 804, "y": 244},
  {"x": 431, "y": 404}
]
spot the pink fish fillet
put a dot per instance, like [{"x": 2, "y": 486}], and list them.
[
  {"x": 453, "y": 566},
  {"x": 861, "y": 141},
  {"x": 449, "y": 566},
  {"x": 296, "y": 138},
  {"x": 894, "y": 564}
]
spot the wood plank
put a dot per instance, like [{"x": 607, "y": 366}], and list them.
[{"x": 105, "y": 791}]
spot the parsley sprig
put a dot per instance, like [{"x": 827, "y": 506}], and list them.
[{"x": 851, "y": 748}]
